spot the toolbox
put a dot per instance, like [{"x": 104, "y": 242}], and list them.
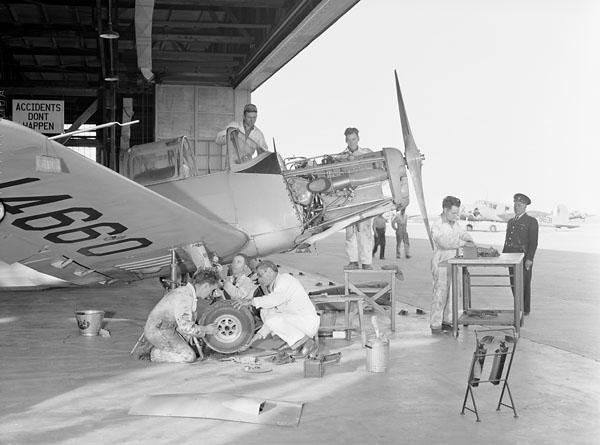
[{"x": 315, "y": 366}]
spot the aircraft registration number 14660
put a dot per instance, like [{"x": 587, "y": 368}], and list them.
[{"x": 66, "y": 217}]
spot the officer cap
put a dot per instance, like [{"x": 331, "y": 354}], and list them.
[
  {"x": 522, "y": 198},
  {"x": 250, "y": 108}
]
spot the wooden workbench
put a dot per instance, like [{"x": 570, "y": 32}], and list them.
[{"x": 459, "y": 286}]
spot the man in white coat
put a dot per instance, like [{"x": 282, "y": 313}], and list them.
[{"x": 285, "y": 309}]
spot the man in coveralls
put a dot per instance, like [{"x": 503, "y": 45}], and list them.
[
  {"x": 447, "y": 236},
  {"x": 359, "y": 236},
  {"x": 522, "y": 237},
  {"x": 174, "y": 317},
  {"x": 253, "y": 138}
]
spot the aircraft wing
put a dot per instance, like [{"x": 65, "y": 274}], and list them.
[{"x": 74, "y": 219}]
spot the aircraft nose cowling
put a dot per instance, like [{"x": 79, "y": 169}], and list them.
[
  {"x": 398, "y": 178},
  {"x": 352, "y": 179}
]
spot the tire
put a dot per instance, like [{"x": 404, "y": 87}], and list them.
[
  {"x": 469, "y": 227},
  {"x": 236, "y": 327},
  {"x": 493, "y": 228}
]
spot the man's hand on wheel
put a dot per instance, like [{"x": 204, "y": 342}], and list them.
[
  {"x": 241, "y": 302},
  {"x": 211, "y": 329}
]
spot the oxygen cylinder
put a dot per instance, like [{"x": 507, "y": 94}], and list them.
[
  {"x": 498, "y": 363},
  {"x": 478, "y": 365}
]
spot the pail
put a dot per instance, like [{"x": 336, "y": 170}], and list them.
[
  {"x": 89, "y": 322},
  {"x": 378, "y": 354}
]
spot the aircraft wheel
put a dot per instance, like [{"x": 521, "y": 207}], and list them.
[
  {"x": 469, "y": 227},
  {"x": 2, "y": 212},
  {"x": 493, "y": 228},
  {"x": 235, "y": 327}
]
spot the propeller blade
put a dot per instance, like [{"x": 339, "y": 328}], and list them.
[{"x": 414, "y": 159}]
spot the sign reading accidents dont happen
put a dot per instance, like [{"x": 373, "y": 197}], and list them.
[{"x": 43, "y": 116}]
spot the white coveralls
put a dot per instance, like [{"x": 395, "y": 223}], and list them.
[
  {"x": 174, "y": 314},
  {"x": 359, "y": 236},
  {"x": 253, "y": 138},
  {"x": 446, "y": 239},
  {"x": 287, "y": 311}
]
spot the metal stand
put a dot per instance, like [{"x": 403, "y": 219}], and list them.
[{"x": 504, "y": 346}]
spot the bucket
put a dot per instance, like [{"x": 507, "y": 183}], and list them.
[
  {"x": 89, "y": 322},
  {"x": 378, "y": 354}
]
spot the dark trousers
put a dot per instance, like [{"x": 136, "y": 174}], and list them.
[
  {"x": 379, "y": 242},
  {"x": 526, "y": 286}
]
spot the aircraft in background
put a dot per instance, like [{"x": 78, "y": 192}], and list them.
[
  {"x": 68, "y": 217},
  {"x": 577, "y": 214},
  {"x": 492, "y": 212},
  {"x": 558, "y": 218}
]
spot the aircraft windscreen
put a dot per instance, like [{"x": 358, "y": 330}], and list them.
[{"x": 240, "y": 148}]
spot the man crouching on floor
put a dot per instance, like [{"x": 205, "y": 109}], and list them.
[
  {"x": 286, "y": 309},
  {"x": 174, "y": 317}
]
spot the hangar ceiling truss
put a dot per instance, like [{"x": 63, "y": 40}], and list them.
[{"x": 56, "y": 43}]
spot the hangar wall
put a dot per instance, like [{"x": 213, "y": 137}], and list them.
[{"x": 199, "y": 113}]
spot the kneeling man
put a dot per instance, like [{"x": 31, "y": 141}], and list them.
[
  {"x": 286, "y": 309},
  {"x": 174, "y": 316}
]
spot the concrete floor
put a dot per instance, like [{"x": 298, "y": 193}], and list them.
[{"x": 59, "y": 387}]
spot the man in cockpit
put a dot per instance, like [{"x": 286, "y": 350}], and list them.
[{"x": 248, "y": 137}]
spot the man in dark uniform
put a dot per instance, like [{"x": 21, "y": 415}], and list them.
[{"x": 522, "y": 237}]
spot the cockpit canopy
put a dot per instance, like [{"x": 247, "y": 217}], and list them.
[{"x": 161, "y": 161}]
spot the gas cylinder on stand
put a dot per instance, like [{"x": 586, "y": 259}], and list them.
[
  {"x": 477, "y": 365},
  {"x": 498, "y": 363}
]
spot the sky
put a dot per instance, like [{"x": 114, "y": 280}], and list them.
[{"x": 502, "y": 96}]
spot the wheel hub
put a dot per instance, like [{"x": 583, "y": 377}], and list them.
[{"x": 229, "y": 328}]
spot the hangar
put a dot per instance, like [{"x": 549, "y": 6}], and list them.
[
  {"x": 146, "y": 60},
  {"x": 182, "y": 67}
]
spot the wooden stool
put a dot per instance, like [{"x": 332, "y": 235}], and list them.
[
  {"x": 389, "y": 276},
  {"x": 346, "y": 299}
]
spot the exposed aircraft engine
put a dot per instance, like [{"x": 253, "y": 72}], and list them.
[
  {"x": 347, "y": 180},
  {"x": 300, "y": 192},
  {"x": 334, "y": 191}
]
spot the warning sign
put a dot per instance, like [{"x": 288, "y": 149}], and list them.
[{"x": 44, "y": 116}]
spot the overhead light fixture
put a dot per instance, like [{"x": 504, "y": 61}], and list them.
[
  {"x": 110, "y": 33},
  {"x": 111, "y": 78}
]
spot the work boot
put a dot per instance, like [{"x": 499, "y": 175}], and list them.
[
  {"x": 309, "y": 348},
  {"x": 367, "y": 267},
  {"x": 352, "y": 265},
  {"x": 407, "y": 256}
]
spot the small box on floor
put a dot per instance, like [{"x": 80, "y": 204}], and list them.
[{"x": 315, "y": 366}]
